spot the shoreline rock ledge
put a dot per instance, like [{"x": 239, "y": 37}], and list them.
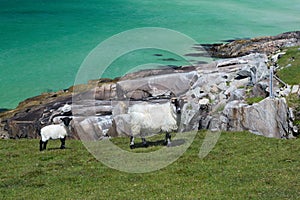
[
  {"x": 210, "y": 96},
  {"x": 267, "y": 45}
]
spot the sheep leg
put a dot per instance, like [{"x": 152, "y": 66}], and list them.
[
  {"x": 63, "y": 142},
  {"x": 131, "y": 142},
  {"x": 144, "y": 141},
  {"x": 45, "y": 145},
  {"x": 41, "y": 145},
  {"x": 168, "y": 139}
]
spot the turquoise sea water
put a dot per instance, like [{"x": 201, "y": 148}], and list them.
[{"x": 44, "y": 42}]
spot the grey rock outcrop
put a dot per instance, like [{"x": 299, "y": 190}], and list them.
[
  {"x": 190, "y": 117},
  {"x": 267, "y": 45},
  {"x": 93, "y": 128},
  {"x": 156, "y": 86},
  {"x": 105, "y": 91},
  {"x": 268, "y": 117},
  {"x": 218, "y": 84},
  {"x": 209, "y": 96}
]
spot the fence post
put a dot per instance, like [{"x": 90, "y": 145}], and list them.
[{"x": 271, "y": 82}]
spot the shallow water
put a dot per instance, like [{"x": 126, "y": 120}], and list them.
[{"x": 44, "y": 42}]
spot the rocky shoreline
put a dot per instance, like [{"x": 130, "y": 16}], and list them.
[
  {"x": 265, "y": 45},
  {"x": 212, "y": 96}
]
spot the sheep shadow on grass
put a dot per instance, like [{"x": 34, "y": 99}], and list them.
[
  {"x": 57, "y": 148},
  {"x": 174, "y": 143}
]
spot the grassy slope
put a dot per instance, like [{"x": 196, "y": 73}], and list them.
[
  {"x": 290, "y": 75},
  {"x": 241, "y": 166}
]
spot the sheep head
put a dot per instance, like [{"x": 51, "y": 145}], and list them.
[{"x": 66, "y": 121}]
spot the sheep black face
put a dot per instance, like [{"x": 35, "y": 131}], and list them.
[{"x": 66, "y": 121}]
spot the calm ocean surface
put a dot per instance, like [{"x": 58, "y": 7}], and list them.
[{"x": 44, "y": 42}]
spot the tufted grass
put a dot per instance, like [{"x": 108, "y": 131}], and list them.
[{"x": 241, "y": 166}]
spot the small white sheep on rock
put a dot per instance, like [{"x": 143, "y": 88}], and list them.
[{"x": 55, "y": 131}]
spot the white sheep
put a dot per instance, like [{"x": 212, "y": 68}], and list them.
[
  {"x": 55, "y": 131},
  {"x": 147, "y": 119}
]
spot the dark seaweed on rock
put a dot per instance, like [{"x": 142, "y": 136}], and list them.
[{"x": 3, "y": 110}]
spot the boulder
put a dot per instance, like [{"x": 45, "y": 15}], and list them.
[
  {"x": 268, "y": 117},
  {"x": 295, "y": 89},
  {"x": 238, "y": 94},
  {"x": 286, "y": 91},
  {"x": 242, "y": 83},
  {"x": 190, "y": 117},
  {"x": 205, "y": 122},
  {"x": 260, "y": 89},
  {"x": 93, "y": 128},
  {"x": 105, "y": 91},
  {"x": 256, "y": 69},
  {"x": 214, "y": 124},
  {"x": 3, "y": 133},
  {"x": 275, "y": 57},
  {"x": 204, "y": 101},
  {"x": 92, "y": 107},
  {"x": 210, "y": 82},
  {"x": 156, "y": 86},
  {"x": 222, "y": 86}
]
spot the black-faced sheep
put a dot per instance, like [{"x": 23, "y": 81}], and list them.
[
  {"x": 55, "y": 131},
  {"x": 147, "y": 119}
]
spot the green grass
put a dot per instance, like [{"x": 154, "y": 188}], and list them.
[
  {"x": 252, "y": 100},
  {"x": 293, "y": 102},
  {"x": 241, "y": 166},
  {"x": 290, "y": 75}
]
